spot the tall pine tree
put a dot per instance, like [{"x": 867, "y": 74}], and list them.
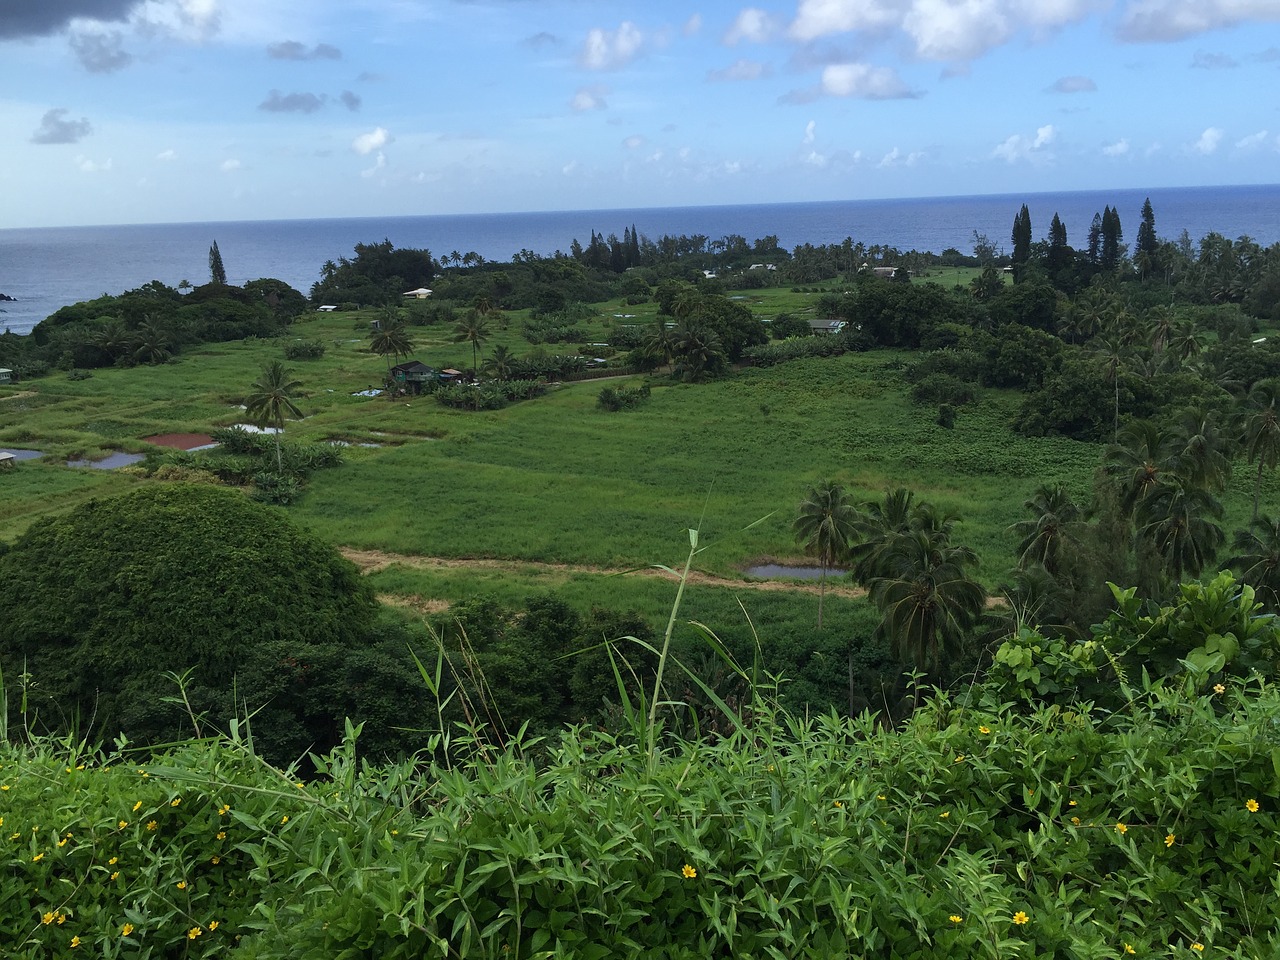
[
  {"x": 217, "y": 272},
  {"x": 1059, "y": 253},
  {"x": 1021, "y": 240},
  {"x": 1112, "y": 238},
  {"x": 1148, "y": 246}
]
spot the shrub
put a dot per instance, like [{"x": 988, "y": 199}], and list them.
[
  {"x": 614, "y": 399},
  {"x": 304, "y": 350}
]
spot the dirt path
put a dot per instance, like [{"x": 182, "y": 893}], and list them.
[{"x": 371, "y": 561}]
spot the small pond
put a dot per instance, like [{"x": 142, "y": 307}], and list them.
[
  {"x": 22, "y": 454},
  {"x": 108, "y": 463},
  {"x": 777, "y": 570}
]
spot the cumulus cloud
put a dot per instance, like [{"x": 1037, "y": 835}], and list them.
[
  {"x": 379, "y": 163},
  {"x": 740, "y": 70},
  {"x": 896, "y": 158},
  {"x": 278, "y": 102},
  {"x": 230, "y": 165},
  {"x": 863, "y": 81},
  {"x": 375, "y": 139},
  {"x": 810, "y": 129},
  {"x": 611, "y": 49},
  {"x": 1208, "y": 142},
  {"x": 40, "y": 18},
  {"x": 1158, "y": 21},
  {"x": 589, "y": 98},
  {"x": 752, "y": 25},
  {"x": 1117, "y": 149},
  {"x": 350, "y": 100},
  {"x": 1018, "y": 147},
  {"x": 1213, "y": 61},
  {"x": 56, "y": 128},
  {"x": 293, "y": 50},
  {"x": 1252, "y": 141},
  {"x": 1073, "y": 85},
  {"x": 101, "y": 52},
  {"x": 822, "y": 18}
]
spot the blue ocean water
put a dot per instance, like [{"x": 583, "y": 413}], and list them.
[{"x": 47, "y": 268}]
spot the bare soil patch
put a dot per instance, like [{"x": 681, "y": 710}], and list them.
[{"x": 179, "y": 441}]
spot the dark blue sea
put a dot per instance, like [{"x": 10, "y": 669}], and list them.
[{"x": 47, "y": 268}]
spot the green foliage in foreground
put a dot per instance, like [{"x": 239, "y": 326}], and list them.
[{"x": 979, "y": 830}]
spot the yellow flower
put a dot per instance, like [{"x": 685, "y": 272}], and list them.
[
  {"x": 1021, "y": 917},
  {"x": 75, "y": 942},
  {"x": 221, "y": 835},
  {"x": 215, "y": 860},
  {"x": 126, "y": 929},
  {"x": 193, "y": 933},
  {"x": 1129, "y": 949},
  {"x": 1121, "y": 828},
  {"x": 839, "y": 803},
  {"x": 879, "y": 796},
  {"x": 1170, "y": 840},
  {"x": 984, "y": 729},
  {"x": 37, "y": 858},
  {"x": 137, "y": 806},
  {"x": 5, "y": 787},
  {"x": 1251, "y": 805},
  {"x": 62, "y": 843},
  {"x": 151, "y": 824},
  {"x": 14, "y": 836},
  {"x": 112, "y": 862},
  {"x": 213, "y": 925},
  {"x": 1071, "y": 803},
  {"x": 182, "y": 884},
  {"x": 1218, "y": 688},
  {"x": 222, "y": 810},
  {"x": 175, "y": 801},
  {"x": 688, "y": 872},
  {"x": 61, "y": 918},
  {"x": 956, "y": 918},
  {"x": 123, "y": 824},
  {"x": 285, "y": 818},
  {"x": 1198, "y": 947},
  {"x": 114, "y": 875},
  {"x": 46, "y": 918},
  {"x": 945, "y": 814},
  {"x": 959, "y": 758},
  {"x": 1075, "y": 821}
]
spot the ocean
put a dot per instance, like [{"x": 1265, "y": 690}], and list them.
[{"x": 44, "y": 269}]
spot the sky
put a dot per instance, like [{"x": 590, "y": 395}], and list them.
[{"x": 140, "y": 111}]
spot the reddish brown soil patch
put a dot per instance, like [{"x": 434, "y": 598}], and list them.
[{"x": 179, "y": 441}]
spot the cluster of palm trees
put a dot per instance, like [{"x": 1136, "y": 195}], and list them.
[
  {"x": 902, "y": 551},
  {"x": 692, "y": 350},
  {"x": 147, "y": 343}
]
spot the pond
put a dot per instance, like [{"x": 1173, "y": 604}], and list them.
[
  {"x": 108, "y": 463},
  {"x": 22, "y": 454},
  {"x": 777, "y": 570}
]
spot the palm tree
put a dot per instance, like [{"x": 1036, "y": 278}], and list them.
[
  {"x": 1178, "y": 519},
  {"x": 824, "y": 524},
  {"x": 697, "y": 352},
  {"x": 926, "y": 598},
  {"x": 1205, "y": 457},
  {"x": 271, "y": 399},
  {"x": 499, "y": 364},
  {"x": 151, "y": 344},
  {"x": 1112, "y": 351},
  {"x": 391, "y": 339},
  {"x": 1143, "y": 457},
  {"x": 1257, "y": 559},
  {"x": 1044, "y": 537},
  {"x": 878, "y": 523},
  {"x": 472, "y": 329},
  {"x": 1261, "y": 434}
]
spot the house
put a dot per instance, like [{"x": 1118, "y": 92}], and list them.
[
  {"x": 6, "y": 375},
  {"x": 412, "y": 374},
  {"x": 420, "y": 294},
  {"x": 326, "y": 308},
  {"x": 7, "y": 460},
  {"x": 825, "y": 327}
]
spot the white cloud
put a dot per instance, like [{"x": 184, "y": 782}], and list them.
[
  {"x": 1018, "y": 147},
  {"x": 1117, "y": 149},
  {"x": 815, "y": 159},
  {"x": 809, "y": 129},
  {"x": 230, "y": 166},
  {"x": 752, "y": 25},
  {"x": 167, "y": 155},
  {"x": 740, "y": 70},
  {"x": 1252, "y": 141},
  {"x": 569, "y": 168},
  {"x": 92, "y": 166},
  {"x": 821, "y": 18},
  {"x": 862, "y": 80},
  {"x": 633, "y": 142},
  {"x": 610, "y": 50},
  {"x": 947, "y": 30},
  {"x": 379, "y": 163},
  {"x": 1156, "y": 21},
  {"x": 896, "y": 158},
  {"x": 692, "y": 25},
  {"x": 1208, "y": 142},
  {"x": 375, "y": 139},
  {"x": 589, "y": 98}
]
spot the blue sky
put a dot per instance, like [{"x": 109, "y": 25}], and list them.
[{"x": 180, "y": 110}]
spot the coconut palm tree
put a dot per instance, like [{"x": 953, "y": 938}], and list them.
[
  {"x": 1257, "y": 559},
  {"x": 1205, "y": 457},
  {"x": 697, "y": 352},
  {"x": 1144, "y": 456},
  {"x": 825, "y": 521},
  {"x": 151, "y": 344},
  {"x": 472, "y": 329},
  {"x": 1178, "y": 519},
  {"x": 391, "y": 339},
  {"x": 1260, "y": 436},
  {"x": 1054, "y": 519},
  {"x": 878, "y": 523},
  {"x": 271, "y": 399},
  {"x": 498, "y": 365}
]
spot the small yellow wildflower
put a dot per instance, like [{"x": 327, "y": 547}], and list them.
[
  {"x": 14, "y": 836},
  {"x": 126, "y": 929},
  {"x": 182, "y": 884},
  {"x": 1170, "y": 839},
  {"x": 75, "y": 942},
  {"x": 47, "y": 918},
  {"x": 839, "y": 803},
  {"x": 175, "y": 801},
  {"x": 1071, "y": 803},
  {"x": 112, "y": 862},
  {"x": 213, "y": 925},
  {"x": 1198, "y": 947},
  {"x": 688, "y": 872},
  {"x": 1219, "y": 689},
  {"x": 215, "y": 860},
  {"x": 221, "y": 835},
  {"x": 984, "y": 729},
  {"x": 1251, "y": 805},
  {"x": 143, "y": 772},
  {"x": 1128, "y": 949},
  {"x": 61, "y": 918},
  {"x": 151, "y": 824},
  {"x": 5, "y": 787},
  {"x": 945, "y": 814},
  {"x": 1021, "y": 917},
  {"x": 1121, "y": 828},
  {"x": 879, "y": 796},
  {"x": 956, "y": 918},
  {"x": 285, "y": 818},
  {"x": 62, "y": 843},
  {"x": 1075, "y": 821},
  {"x": 37, "y": 858},
  {"x": 222, "y": 810},
  {"x": 137, "y": 806},
  {"x": 114, "y": 875},
  {"x": 123, "y": 824},
  {"x": 194, "y": 932},
  {"x": 959, "y": 758}
]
